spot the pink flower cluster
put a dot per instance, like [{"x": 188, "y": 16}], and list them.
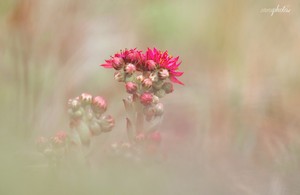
[{"x": 153, "y": 59}]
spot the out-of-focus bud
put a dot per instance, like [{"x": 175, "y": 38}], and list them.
[
  {"x": 131, "y": 87},
  {"x": 119, "y": 76},
  {"x": 130, "y": 68},
  {"x": 61, "y": 135},
  {"x": 57, "y": 142},
  {"x": 125, "y": 145},
  {"x": 94, "y": 127},
  {"x": 86, "y": 98},
  {"x": 160, "y": 93},
  {"x": 74, "y": 104},
  {"x": 117, "y": 63},
  {"x": 168, "y": 87},
  {"x": 42, "y": 143},
  {"x": 163, "y": 74},
  {"x": 149, "y": 112},
  {"x": 99, "y": 105},
  {"x": 158, "y": 84},
  {"x": 159, "y": 109},
  {"x": 140, "y": 137},
  {"x": 146, "y": 98},
  {"x": 155, "y": 99},
  {"x": 147, "y": 83},
  {"x": 107, "y": 123},
  {"x": 151, "y": 65},
  {"x": 154, "y": 137},
  {"x": 153, "y": 76},
  {"x": 140, "y": 78}
]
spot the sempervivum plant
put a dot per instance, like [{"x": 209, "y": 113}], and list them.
[
  {"x": 148, "y": 77},
  {"x": 87, "y": 120}
]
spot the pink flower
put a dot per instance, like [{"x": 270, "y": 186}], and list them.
[
  {"x": 146, "y": 98},
  {"x": 165, "y": 61}
]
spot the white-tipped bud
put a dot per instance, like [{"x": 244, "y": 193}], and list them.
[
  {"x": 86, "y": 98},
  {"x": 153, "y": 76},
  {"x": 163, "y": 74},
  {"x": 130, "y": 68},
  {"x": 119, "y": 76},
  {"x": 147, "y": 83},
  {"x": 74, "y": 104},
  {"x": 140, "y": 78}
]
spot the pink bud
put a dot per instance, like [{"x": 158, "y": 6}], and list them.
[
  {"x": 163, "y": 74},
  {"x": 140, "y": 137},
  {"x": 57, "y": 141},
  {"x": 61, "y": 135},
  {"x": 99, "y": 104},
  {"x": 147, "y": 83},
  {"x": 131, "y": 87},
  {"x": 130, "y": 68},
  {"x": 146, "y": 98},
  {"x": 155, "y": 137},
  {"x": 74, "y": 104},
  {"x": 151, "y": 65},
  {"x": 117, "y": 63}
]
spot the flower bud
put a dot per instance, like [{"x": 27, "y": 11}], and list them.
[
  {"x": 146, "y": 98},
  {"x": 160, "y": 93},
  {"x": 140, "y": 78},
  {"x": 57, "y": 141},
  {"x": 155, "y": 99},
  {"x": 86, "y": 98},
  {"x": 158, "y": 84},
  {"x": 99, "y": 105},
  {"x": 42, "y": 144},
  {"x": 149, "y": 112},
  {"x": 163, "y": 74},
  {"x": 131, "y": 87},
  {"x": 147, "y": 83},
  {"x": 119, "y": 76},
  {"x": 140, "y": 137},
  {"x": 117, "y": 63},
  {"x": 61, "y": 135},
  {"x": 153, "y": 76},
  {"x": 159, "y": 109},
  {"x": 155, "y": 137},
  {"x": 107, "y": 123},
  {"x": 151, "y": 65},
  {"x": 74, "y": 104},
  {"x": 168, "y": 87},
  {"x": 130, "y": 68}
]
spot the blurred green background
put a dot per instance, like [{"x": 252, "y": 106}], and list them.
[{"x": 234, "y": 128}]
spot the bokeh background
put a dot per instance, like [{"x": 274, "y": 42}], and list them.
[{"x": 234, "y": 128}]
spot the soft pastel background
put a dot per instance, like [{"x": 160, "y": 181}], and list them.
[{"x": 234, "y": 128}]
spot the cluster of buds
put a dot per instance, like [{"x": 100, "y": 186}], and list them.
[
  {"x": 87, "y": 118},
  {"x": 148, "y": 77},
  {"x": 55, "y": 147}
]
